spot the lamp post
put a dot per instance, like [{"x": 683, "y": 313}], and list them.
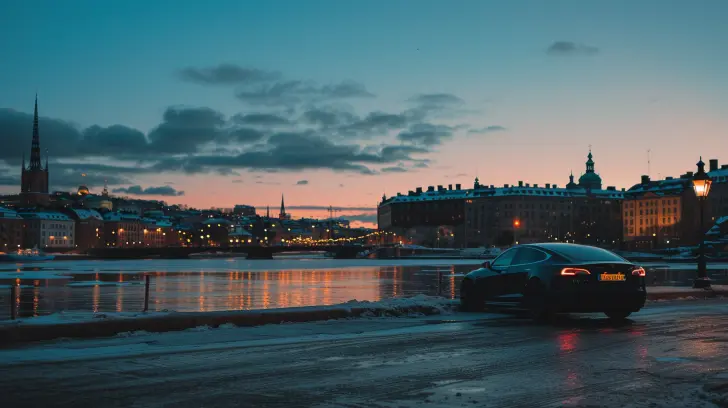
[
  {"x": 516, "y": 225},
  {"x": 701, "y": 185}
]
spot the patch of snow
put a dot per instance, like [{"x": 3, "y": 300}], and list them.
[
  {"x": 67, "y": 317},
  {"x": 443, "y": 305},
  {"x": 199, "y": 328},
  {"x": 137, "y": 333}
]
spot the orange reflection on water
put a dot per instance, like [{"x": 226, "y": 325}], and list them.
[{"x": 452, "y": 282}]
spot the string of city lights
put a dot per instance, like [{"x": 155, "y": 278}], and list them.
[{"x": 311, "y": 241}]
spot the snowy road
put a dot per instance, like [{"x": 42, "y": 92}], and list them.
[{"x": 671, "y": 354}]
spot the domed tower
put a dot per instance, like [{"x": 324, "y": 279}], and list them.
[
  {"x": 571, "y": 184},
  {"x": 590, "y": 180}
]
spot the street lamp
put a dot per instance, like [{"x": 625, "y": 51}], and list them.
[
  {"x": 701, "y": 185},
  {"x": 516, "y": 225}
]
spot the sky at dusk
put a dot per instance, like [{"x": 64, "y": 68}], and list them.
[{"x": 335, "y": 103}]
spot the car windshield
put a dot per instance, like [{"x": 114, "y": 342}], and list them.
[{"x": 589, "y": 254}]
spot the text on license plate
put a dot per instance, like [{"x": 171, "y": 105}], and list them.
[{"x": 612, "y": 277}]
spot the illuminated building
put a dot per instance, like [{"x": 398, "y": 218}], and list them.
[
  {"x": 664, "y": 213},
  {"x": 486, "y": 215},
  {"x": 49, "y": 230}
]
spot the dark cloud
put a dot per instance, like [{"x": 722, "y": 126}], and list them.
[
  {"x": 9, "y": 179},
  {"x": 245, "y": 135},
  {"x": 374, "y": 124},
  {"x": 395, "y": 169},
  {"x": 328, "y": 116},
  {"x": 64, "y": 179},
  {"x": 564, "y": 48},
  {"x": 119, "y": 139},
  {"x": 437, "y": 105},
  {"x": 437, "y": 99},
  {"x": 422, "y": 164},
  {"x": 426, "y": 134},
  {"x": 487, "y": 129},
  {"x": 227, "y": 74},
  {"x": 341, "y": 185},
  {"x": 238, "y": 181},
  {"x": 392, "y": 154},
  {"x": 186, "y": 129},
  {"x": 294, "y": 92},
  {"x": 260, "y": 119},
  {"x": 459, "y": 175},
  {"x": 302, "y": 182},
  {"x": 365, "y": 218},
  {"x": 169, "y": 183},
  {"x": 291, "y": 151},
  {"x": 138, "y": 190}
]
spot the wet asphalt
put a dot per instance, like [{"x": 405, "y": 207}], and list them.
[{"x": 671, "y": 354}]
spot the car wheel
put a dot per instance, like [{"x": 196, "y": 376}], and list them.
[
  {"x": 470, "y": 300},
  {"x": 618, "y": 314}
]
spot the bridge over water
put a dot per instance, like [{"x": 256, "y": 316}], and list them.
[{"x": 253, "y": 252}]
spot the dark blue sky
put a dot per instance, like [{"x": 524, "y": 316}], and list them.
[{"x": 617, "y": 75}]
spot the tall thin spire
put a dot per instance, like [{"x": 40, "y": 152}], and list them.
[
  {"x": 35, "y": 146},
  {"x": 283, "y": 207}
]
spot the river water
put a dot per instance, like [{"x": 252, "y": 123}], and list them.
[{"x": 195, "y": 285}]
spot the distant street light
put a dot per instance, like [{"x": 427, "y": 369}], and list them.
[{"x": 701, "y": 185}]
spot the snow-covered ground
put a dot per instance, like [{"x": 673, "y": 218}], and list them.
[
  {"x": 664, "y": 358},
  {"x": 387, "y": 307}
]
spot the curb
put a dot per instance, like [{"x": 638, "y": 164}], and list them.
[
  {"x": 18, "y": 333},
  {"x": 695, "y": 293}
]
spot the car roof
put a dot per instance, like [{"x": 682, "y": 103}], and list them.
[{"x": 560, "y": 247}]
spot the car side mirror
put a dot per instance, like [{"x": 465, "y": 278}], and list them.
[{"x": 486, "y": 265}]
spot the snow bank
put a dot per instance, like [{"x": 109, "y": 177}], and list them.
[
  {"x": 70, "y": 317},
  {"x": 398, "y": 304}
]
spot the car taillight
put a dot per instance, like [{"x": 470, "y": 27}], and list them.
[
  {"x": 639, "y": 272},
  {"x": 574, "y": 272}
]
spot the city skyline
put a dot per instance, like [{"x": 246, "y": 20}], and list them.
[{"x": 336, "y": 104}]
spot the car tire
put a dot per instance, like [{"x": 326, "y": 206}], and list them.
[
  {"x": 470, "y": 300},
  {"x": 618, "y": 315}
]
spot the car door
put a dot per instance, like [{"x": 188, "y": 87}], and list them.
[
  {"x": 525, "y": 263},
  {"x": 496, "y": 285}
]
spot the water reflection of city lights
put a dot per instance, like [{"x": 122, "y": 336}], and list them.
[{"x": 228, "y": 288}]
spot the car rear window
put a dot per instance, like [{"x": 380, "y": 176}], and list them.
[{"x": 589, "y": 254}]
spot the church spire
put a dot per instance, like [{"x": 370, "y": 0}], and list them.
[
  {"x": 283, "y": 208},
  {"x": 35, "y": 147},
  {"x": 590, "y": 162}
]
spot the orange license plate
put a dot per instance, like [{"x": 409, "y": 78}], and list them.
[{"x": 612, "y": 277}]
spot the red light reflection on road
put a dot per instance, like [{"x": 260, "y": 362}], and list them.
[{"x": 568, "y": 341}]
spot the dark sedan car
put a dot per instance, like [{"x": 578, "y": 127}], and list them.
[{"x": 557, "y": 278}]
